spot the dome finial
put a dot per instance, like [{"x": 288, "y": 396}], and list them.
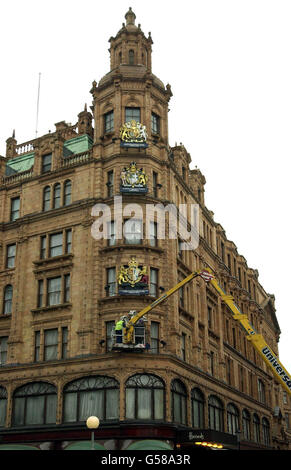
[{"x": 130, "y": 17}]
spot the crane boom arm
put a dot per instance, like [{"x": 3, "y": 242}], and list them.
[
  {"x": 256, "y": 339},
  {"x": 129, "y": 327}
]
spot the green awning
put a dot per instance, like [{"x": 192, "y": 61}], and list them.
[
  {"x": 84, "y": 445},
  {"x": 16, "y": 447},
  {"x": 149, "y": 445}
]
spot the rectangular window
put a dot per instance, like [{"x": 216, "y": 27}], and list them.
[
  {"x": 155, "y": 184},
  {"x": 68, "y": 241},
  {"x": 67, "y": 283},
  {"x": 233, "y": 338},
  {"x": 10, "y": 256},
  {"x": 133, "y": 231},
  {"x": 111, "y": 282},
  {"x": 155, "y": 335},
  {"x": 210, "y": 322},
  {"x": 54, "y": 291},
  {"x": 155, "y": 123},
  {"x": 56, "y": 244},
  {"x": 15, "y": 206},
  {"x": 109, "y": 122},
  {"x": 64, "y": 342},
  {"x": 228, "y": 371},
  {"x": 261, "y": 391},
  {"x": 181, "y": 296},
  {"x": 153, "y": 233},
  {"x": 46, "y": 163},
  {"x": 222, "y": 251},
  {"x": 50, "y": 344},
  {"x": 212, "y": 363},
  {"x": 37, "y": 346},
  {"x": 132, "y": 114},
  {"x": 239, "y": 274},
  {"x": 43, "y": 247},
  {"x": 241, "y": 377},
  {"x": 229, "y": 262},
  {"x": 3, "y": 349},
  {"x": 110, "y": 183},
  {"x": 154, "y": 282},
  {"x": 111, "y": 233},
  {"x": 183, "y": 346},
  {"x": 109, "y": 336},
  {"x": 40, "y": 294}
]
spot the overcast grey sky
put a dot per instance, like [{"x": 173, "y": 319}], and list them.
[{"x": 228, "y": 62}]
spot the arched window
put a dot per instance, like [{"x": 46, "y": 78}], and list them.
[
  {"x": 47, "y": 198},
  {"x": 145, "y": 397},
  {"x": 57, "y": 196},
  {"x": 67, "y": 193},
  {"x": 179, "y": 402},
  {"x": 266, "y": 431},
  {"x": 35, "y": 403},
  {"x": 215, "y": 413},
  {"x": 7, "y": 303},
  {"x": 3, "y": 405},
  {"x": 246, "y": 422},
  {"x": 97, "y": 396},
  {"x": 197, "y": 402},
  {"x": 256, "y": 424},
  {"x": 131, "y": 57},
  {"x": 232, "y": 419}
]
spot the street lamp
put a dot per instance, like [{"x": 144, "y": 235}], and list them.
[{"x": 92, "y": 423}]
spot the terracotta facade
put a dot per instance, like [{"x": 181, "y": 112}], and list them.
[{"x": 199, "y": 343}]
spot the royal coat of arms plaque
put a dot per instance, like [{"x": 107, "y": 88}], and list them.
[{"x": 132, "y": 279}]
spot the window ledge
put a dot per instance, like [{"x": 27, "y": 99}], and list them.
[
  {"x": 186, "y": 313},
  {"x": 51, "y": 307},
  {"x": 5, "y": 315},
  {"x": 9, "y": 270},
  {"x": 43, "y": 262},
  {"x": 119, "y": 298},
  {"x": 121, "y": 247}
]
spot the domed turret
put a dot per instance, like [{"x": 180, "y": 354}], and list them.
[{"x": 130, "y": 46}]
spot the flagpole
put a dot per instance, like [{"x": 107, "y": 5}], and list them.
[{"x": 37, "y": 106}]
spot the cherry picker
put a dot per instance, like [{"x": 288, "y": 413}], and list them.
[{"x": 133, "y": 331}]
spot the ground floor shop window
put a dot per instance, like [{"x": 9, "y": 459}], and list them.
[
  {"x": 145, "y": 397},
  {"x": 3, "y": 405},
  {"x": 35, "y": 403},
  {"x": 97, "y": 396},
  {"x": 215, "y": 413},
  {"x": 197, "y": 402},
  {"x": 179, "y": 402}
]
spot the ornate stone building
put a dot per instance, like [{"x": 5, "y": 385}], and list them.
[{"x": 60, "y": 295}]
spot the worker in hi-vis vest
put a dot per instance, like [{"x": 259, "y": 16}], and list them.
[{"x": 120, "y": 324}]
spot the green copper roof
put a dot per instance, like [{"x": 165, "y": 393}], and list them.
[
  {"x": 77, "y": 145},
  {"x": 19, "y": 164}
]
